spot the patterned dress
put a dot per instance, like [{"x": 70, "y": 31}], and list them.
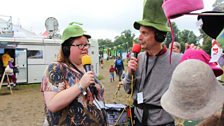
[{"x": 81, "y": 111}]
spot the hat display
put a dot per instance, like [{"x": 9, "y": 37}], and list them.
[
  {"x": 73, "y": 30},
  {"x": 176, "y": 8},
  {"x": 194, "y": 92},
  {"x": 213, "y": 22},
  {"x": 202, "y": 56},
  {"x": 153, "y": 16}
]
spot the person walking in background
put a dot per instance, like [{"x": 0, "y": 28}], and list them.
[
  {"x": 176, "y": 47},
  {"x": 12, "y": 76},
  {"x": 68, "y": 97},
  {"x": 119, "y": 66},
  {"x": 112, "y": 70},
  {"x": 151, "y": 69},
  {"x": 101, "y": 62},
  {"x": 5, "y": 59}
]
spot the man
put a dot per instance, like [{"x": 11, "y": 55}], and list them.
[
  {"x": 119, "y": 66},
  {"x": 152, "y": 69}
]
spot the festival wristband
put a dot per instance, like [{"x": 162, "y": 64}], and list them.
[{"x": 81, "y": 89}]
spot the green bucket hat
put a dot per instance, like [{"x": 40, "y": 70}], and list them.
[
  {"x": 73, "y": 30},
  {"x": 153, "y": 16}
]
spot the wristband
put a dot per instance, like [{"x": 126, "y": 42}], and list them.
[{"x": 81, "y": 89}]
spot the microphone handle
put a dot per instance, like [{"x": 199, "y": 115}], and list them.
[
  {"x": 87, "y": 67},
  {"x": 93, "y": 90},
  {"x": 135, "y": 55},
  {"x": 92, "y": 86}
]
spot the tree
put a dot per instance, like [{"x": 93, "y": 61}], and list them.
[
  {"x": 219, "y": 5},
  {"x": 103, "y": 44},
  {"x": 168, "y": 35},
  {"x": 207, "y": 42},
  {"x": 182, "y": 37},
  {"x": 125, "y": 40},
  {"x": 207, "y": 45}
]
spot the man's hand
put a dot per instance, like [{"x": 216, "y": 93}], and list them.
[
  {"x": 132, "y": 65},
  {"x": 191, "y": 46}
]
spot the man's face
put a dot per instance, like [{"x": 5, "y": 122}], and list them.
[{"x": 146, "y": 38}]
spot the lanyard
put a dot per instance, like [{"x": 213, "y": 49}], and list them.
[
  {"x": 80, "y": 72},
  {"x": 149, "y": 73},
  {"x": 92, "y": 87}
]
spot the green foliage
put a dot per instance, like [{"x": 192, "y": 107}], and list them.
[
  {"x": 207, "y": 45},
  {"x": 168, "y": 35},
  {"x": 207, "y": 41},
  {"x": 122, "y": 43},
  {"x": 100, "y": 77},
  {"x": 219, "y": 5},
  {"x": 105, "y": 43},
  {"x": 126, "y": 37},
  {"x": 182, "y": 37}
]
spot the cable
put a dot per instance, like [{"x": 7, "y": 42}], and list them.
[{"x": 130, "y": 99}]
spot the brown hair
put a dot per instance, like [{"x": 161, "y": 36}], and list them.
[
  {"x": 61, "y": 56},
  {"x": 177, "y": 44}
]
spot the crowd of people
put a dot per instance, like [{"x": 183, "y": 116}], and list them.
[{"x": 73, "y": 96}]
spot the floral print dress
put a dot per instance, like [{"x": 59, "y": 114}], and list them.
[{"x": 81, "y": 111}]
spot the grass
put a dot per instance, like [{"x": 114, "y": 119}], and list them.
[{"x": 113, "y": 91}]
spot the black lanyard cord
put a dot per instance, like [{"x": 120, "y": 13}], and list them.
[
  {"x": 73, "y": 66},
  {"x": 149, "y": 73},
  {"x": 92, "y": 87}
]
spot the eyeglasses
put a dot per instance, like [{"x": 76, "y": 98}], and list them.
[{"x": 81, "y": 46}]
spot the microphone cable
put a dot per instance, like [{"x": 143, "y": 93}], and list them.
[{"x": 130, "y": 101}]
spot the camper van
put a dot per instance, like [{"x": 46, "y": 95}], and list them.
[{"x": 32, "y": 55}]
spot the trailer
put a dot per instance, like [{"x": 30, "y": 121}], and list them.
[{"x": 33, "y": 55}]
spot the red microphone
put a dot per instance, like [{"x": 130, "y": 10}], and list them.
[{"x": 136, "y": 49}]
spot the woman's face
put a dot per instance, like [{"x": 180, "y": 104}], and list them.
[
  {"x": 175, "y": 49},
  {"x": 78, "y": 49}
]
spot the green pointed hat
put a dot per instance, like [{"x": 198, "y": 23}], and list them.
[
  {"x": 73, "y": 30},
  {"x": 153, "y": 16}
]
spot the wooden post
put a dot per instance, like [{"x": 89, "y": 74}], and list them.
[
  {"x": 2, "y": 80},
  {"x": 8, "y": 81}
]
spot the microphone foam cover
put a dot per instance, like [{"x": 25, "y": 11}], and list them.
[
  {"x": 86, "y": 59},
  {"x": 136, "y": 48}
]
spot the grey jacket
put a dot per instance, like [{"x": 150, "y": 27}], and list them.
[{"x": 157, "y": 81}]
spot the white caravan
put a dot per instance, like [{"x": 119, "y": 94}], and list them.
[{"x": 32, "y": 55}]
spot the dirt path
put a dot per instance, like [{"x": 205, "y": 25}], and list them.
[{"x": 23, "y": 108}]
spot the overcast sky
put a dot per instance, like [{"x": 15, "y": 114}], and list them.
[{"x": 100, "y": 18}]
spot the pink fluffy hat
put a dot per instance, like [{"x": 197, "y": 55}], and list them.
[
  {"x": 176, "y": 8},
  {"x": 202, "y": 56}
]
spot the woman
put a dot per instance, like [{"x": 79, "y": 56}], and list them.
[
  {"x": 12, "y": 77},
  {"x": 66, "y": 85}
]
